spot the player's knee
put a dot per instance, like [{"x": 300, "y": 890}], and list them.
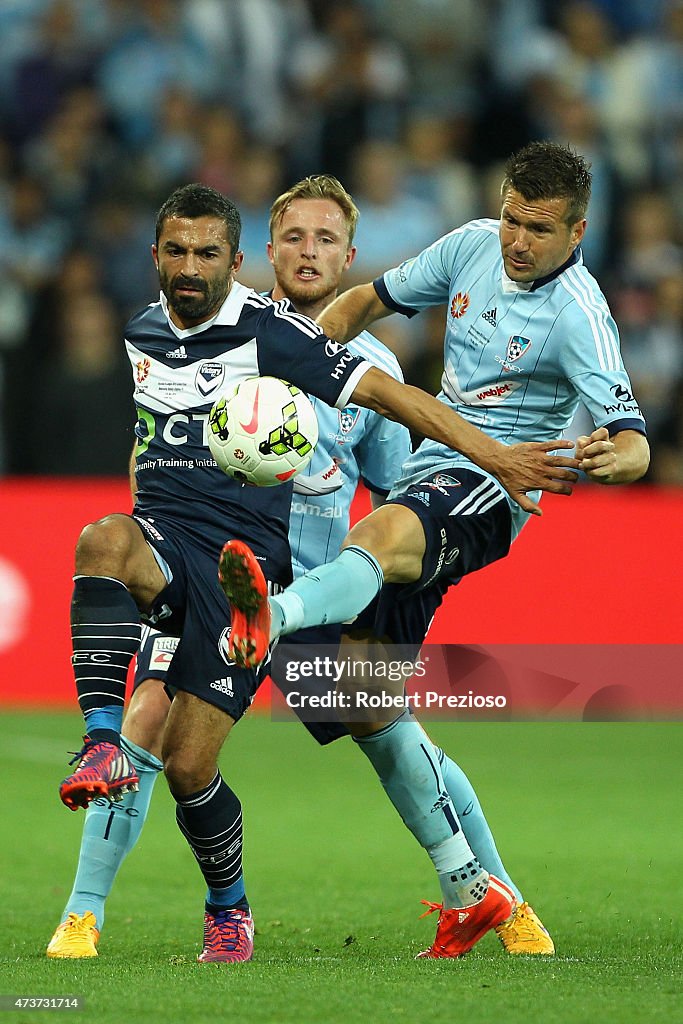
[
  {"x": 184, "y": 774},
  {"x": 104, "y": 547},
  {"x": 395, "y": 538},
  {"x": 370, "y": 537}
]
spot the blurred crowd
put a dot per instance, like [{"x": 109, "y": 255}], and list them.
[{"x": 106, "y": 107}]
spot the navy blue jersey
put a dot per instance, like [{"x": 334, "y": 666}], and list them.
[{"x": 179, "y": 374}]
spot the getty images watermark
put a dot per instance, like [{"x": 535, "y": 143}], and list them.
[
  {"x": 585, "y": 682},
  {"x": 357, "y": 683}
]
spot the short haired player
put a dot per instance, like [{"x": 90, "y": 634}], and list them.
[{"x": 528, "y": 336}]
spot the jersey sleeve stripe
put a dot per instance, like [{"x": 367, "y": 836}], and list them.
[
  {"x": 386, "y": 360},
  {"x": 383, "y": 292},
  {"x": 596, "y": 313},
  {"x": 570, "y": 286},
  {"x": 481, "y": 224},
  {"x": 305, "y": 325},
  {"x": 351, "y": 384},
  {"x": 258, "y": 300},
  {"x": 627, "y": 423},
  {"x": 600, "y": 306}
]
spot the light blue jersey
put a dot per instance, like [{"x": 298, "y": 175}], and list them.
[
  {"x": 518, "y": 358},
  {"x": 354, "y": 443}
]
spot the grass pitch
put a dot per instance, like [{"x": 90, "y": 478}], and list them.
[{"x": 584, "y": 814}]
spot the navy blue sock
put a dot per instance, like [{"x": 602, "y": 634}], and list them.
[
  {"x": 105, "y": 633},
  {"x": 211, "y": 821}
]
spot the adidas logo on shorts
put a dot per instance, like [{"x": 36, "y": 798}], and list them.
[{"x": 223, "y": 686}]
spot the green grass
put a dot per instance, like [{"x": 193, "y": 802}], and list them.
[{"x": 585, "y": 816}]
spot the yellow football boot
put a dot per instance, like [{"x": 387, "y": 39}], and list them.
[
  {"x": 76, "y": 937},
  {"x": 524, "y": 933}
]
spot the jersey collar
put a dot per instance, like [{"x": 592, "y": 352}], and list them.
[{"x": 514, "y": 286}]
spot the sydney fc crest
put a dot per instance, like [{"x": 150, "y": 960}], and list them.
[
  {"x": 209, "y": 378},
  {"x": 517, "y": 346},
  {"x": 348, "y": 418}
]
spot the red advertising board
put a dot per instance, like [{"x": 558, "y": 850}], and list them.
[{"x": 601, "y": 567}]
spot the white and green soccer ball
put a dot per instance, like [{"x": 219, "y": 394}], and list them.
[{"x": 265, "y": 433}]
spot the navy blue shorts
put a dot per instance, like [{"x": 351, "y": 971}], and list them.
[
  {"x": 194, "y": 608},
  {"x": 326, "y": 640},
  {"x": 157, "y": 650},
  {"x": 466, "y": 521}
]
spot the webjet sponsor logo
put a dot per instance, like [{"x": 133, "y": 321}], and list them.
[{"x": 494, "y": 394}]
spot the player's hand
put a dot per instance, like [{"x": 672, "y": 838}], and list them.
[
  {"x": 529, "y": 466},
  {"x": 597, "y": 455}
]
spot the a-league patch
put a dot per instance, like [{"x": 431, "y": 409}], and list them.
[{"x": 163, "y": 649}]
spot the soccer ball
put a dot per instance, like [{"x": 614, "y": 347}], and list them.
[{"x": 265, "y": 433}]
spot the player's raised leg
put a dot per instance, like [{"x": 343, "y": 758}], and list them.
[
  {"x": 116, "y": 574},
  {"x": 245, "y": 587},
  {"x": 333, "y": 592}
]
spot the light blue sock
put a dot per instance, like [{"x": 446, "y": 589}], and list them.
[
  {"x": 471, "y": 817},
  {"x": 110, "y": 832},
  {"x": 335, "y": 592},
  {"x": 408, "y": 768}
]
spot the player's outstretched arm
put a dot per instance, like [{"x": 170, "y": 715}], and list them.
[
  {"x": 352, "y": 312},
  {"x": 620, "y": 459},
  {"x": 519, "y": 468}
]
